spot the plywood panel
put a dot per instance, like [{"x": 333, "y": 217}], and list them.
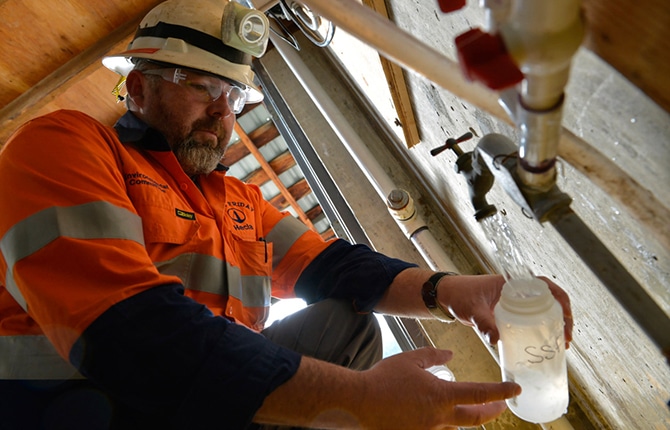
[
  {"x": 39, "y": 36},
  {"x": 634, "y": 37}
]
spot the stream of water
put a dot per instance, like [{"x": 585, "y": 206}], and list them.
[{"x": 509, "y": 259}]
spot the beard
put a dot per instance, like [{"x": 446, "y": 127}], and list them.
[{"x": 197, "y": 156}]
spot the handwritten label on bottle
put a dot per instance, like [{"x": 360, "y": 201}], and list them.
[{"x": 544, "y": 352}]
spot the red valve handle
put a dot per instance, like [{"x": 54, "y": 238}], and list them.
[
  {"x": 483, "y": 57},
  {"x": 447, "y": 6}
]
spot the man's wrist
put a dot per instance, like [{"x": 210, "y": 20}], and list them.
[{"x": 429, "y": 296}]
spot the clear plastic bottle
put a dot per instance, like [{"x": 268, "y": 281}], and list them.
[{"x": 532, "y": 349}]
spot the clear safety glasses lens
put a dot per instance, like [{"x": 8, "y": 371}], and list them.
[{"x": 204, "y": 88}]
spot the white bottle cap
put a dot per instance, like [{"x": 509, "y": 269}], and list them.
[{"x": 442, "y": 372}]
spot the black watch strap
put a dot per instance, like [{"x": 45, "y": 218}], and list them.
[{"x": 429, "y": 296}]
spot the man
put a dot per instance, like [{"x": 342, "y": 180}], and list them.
[{"x": 131, "y": 297}]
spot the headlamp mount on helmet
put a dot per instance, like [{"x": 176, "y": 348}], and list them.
[{"x": 245, "y": 29}]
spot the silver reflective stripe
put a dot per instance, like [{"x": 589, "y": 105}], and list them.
[
  {"x": 33, "y": 357},
  {"x": 283, "y": 235},
  {"x": 252, "y": 291},
  {"x": 206, "y": 273},
  {"x": 197, "y": 272},
  {"x": 234, "y": 276},
  {"x": 95, "y": 220}
]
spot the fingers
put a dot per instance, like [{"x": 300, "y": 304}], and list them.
[
  {"x": 486, "y": 325},
  {"x": 568, "y": 329},
  {"x": 475, "y": 415},
  {"x": 478, "y": 403},
  {"x": 564, "y": 300},
  {"x": 484, "y": 321},
  {"x": 473, "y": 393}
]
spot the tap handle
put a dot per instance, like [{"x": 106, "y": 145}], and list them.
[
  {"x": 435, "y": 151},
  {"x": 466, "y": 136},
  {"x": 452, "y": 144}
]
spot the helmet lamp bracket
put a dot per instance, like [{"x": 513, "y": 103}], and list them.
[{"x": 245, "y": 29}]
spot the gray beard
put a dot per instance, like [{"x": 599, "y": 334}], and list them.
[{"x": 196, "y": 158}]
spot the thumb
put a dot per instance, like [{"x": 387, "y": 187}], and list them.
[{"x": 485, "y": 323}]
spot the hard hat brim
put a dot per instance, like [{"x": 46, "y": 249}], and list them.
[{"x": 180, "y": 53}]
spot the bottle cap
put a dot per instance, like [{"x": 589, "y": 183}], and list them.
[
  {"x": 526, "y": 296},
  {"x": 442, "y": 372}
]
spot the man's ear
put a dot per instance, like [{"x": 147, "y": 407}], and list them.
[{"x": 135, "y": 83}]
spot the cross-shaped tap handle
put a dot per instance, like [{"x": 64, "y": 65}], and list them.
[{"x": 452, "y": 144}]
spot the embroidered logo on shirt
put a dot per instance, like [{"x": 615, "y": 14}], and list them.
[
  {"x": 186, "y": 215},
  {"x": 138, "y": 178},
  {"x": 239, "y": 217}
]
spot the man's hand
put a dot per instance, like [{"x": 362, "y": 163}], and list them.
[
  {"x": 396, "y": 394},
  {"x": 407, "y": 396},
  {"x": 471, "y": 299}
]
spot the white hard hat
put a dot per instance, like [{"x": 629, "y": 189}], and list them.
[{"x": 215, "y": 36}]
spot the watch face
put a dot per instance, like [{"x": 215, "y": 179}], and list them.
[{"x": 429, "y": 296}]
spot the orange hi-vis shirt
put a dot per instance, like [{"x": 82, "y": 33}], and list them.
[{"x": 118, "y": 219}]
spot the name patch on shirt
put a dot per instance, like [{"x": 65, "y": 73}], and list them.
[{"x": 186, "y": 215}]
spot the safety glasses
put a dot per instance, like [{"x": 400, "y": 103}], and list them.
[{"x": 203, "y": 88}]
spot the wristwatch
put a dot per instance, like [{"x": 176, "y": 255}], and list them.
[{"x": 429, "y": 296}]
